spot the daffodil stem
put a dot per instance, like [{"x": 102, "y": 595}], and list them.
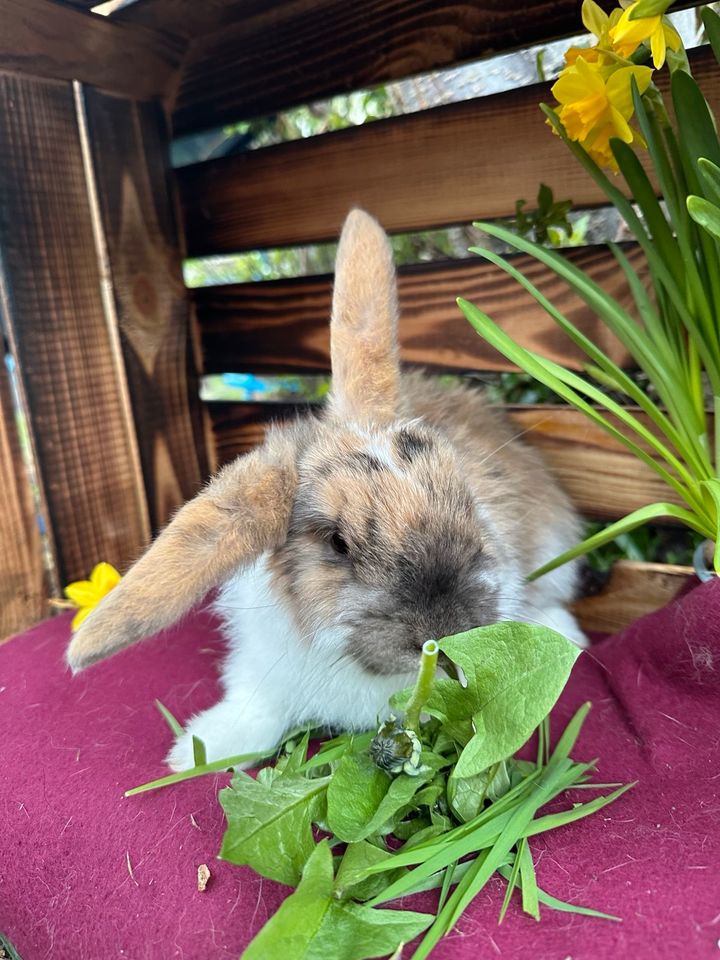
[{"x": 423, "y": 684}]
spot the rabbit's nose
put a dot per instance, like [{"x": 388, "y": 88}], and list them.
[{"x": 442, "y": 630}]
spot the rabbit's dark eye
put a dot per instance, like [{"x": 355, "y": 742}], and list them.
[{"x": 339, "y": 544}]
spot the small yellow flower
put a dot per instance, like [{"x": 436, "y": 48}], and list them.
[
  {"x": 588, "y": 54},
  {"x": 596, "y": 104},
  {"x": 87, "y": 594},
  {"x": 627, "y": 35}
]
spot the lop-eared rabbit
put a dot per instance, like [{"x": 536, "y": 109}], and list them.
[{"x": 405, "y": 511}]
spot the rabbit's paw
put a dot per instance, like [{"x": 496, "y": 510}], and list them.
[{"x": 225, "y": 733}]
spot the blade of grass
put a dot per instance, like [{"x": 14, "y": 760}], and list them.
[
  {"x": 199, "y": 752},
  {"x": 446, "y": 884},
  {"x": 570, "y": 734},
  {"x": 174, "y": 725},
  {"x": 552, "y": 821},
  {"x": 528, "y": 881},
  {"x": 561, "y": 778},
  {"x": 478, "y": 875},
  {"x": 216, "y": 766},
  {"x": 556, "y": 904},
  {"x": 512, "y": 883}
]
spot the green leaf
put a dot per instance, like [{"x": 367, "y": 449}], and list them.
[
  {"x": 466, "y": 795},
  {"x": 644, "y": 194},
  {"x": 269, "y": 825},
  {"x": 363, "y": 800},
  {"x": 312, "y": 925},
  {"x": 515, "y": 672},
  {"x": 355, "y": 793},
  {"x": 696, "y": 126},
  {"x": 351, "y": 881},
  {"x": 711, "y": 22},
  {"x": 712, "y": 487},
  {"x": 706, "y": 214},
  {"x": 710, "y": 173}
]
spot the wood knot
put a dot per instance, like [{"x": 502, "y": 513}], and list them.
[{"x": 144, "y": 295}]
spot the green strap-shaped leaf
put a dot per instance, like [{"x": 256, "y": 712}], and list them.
[
  {"x": 711, "y": 22},
  {"x": 650, "y": 8},
  {"x": 696, "y": 126},
  {"x": 654, "y": 511},
  {"x": 706, "y": 214}
]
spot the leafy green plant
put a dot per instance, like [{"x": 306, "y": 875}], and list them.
[
  {"x": 674, "y": 336},
  {"x": 538, "y": 223},
  {"x": 434, "y": 800}
]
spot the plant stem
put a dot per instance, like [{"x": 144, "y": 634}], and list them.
[{"x": 423, "y": 684}]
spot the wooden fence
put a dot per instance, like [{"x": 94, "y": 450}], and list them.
[{"x": 108, "y": 344}]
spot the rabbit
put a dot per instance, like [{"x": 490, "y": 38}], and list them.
[{"x": 405, "y": 511}]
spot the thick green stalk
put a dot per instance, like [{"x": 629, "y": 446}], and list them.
[{"x": 423, "y": 684}]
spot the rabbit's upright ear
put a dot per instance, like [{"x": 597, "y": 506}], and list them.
[
  {"x": 363, "y": 334},
  {"x": 242, "y": 512}
]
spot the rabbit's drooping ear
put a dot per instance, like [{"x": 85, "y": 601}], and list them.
[
  {"x": 365, "y": 370},
  {"x": 243, "y": 511}
]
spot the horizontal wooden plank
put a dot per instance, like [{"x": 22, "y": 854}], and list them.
[
  {"x": 282, "y": 325},
  {"x": 268, "y": 56},
  {"x": 240, "y": 427},
  {"x": 67, "y": 355},
  {"x": 47, "y": 39},
  {"x": 634, "y": 589},
  {"x": 447, "y": 165},
  {"x": 603, "y": 478},
  {"x": 191, "y": 19},
  {"x": 23, "y": 584}
]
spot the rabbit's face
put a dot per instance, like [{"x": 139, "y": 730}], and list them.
[{"x": 387, "y": 544}]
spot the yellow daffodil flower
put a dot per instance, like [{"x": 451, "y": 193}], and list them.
[
  {"x": 87, "y": 594},
  {"x": 627, "y": 35},
  {"x": 596, "y": 104},
  {"x": 599, "y": 23}
]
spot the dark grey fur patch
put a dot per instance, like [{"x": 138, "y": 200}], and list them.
[
  {"x": 366, "y": 461},
  {"x": 410, "y": 444}
]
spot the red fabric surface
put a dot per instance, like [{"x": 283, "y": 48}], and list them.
[{"x": 70, "y": 747}]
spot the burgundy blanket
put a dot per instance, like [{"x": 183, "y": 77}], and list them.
[{"x": 87, "y": 874}]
